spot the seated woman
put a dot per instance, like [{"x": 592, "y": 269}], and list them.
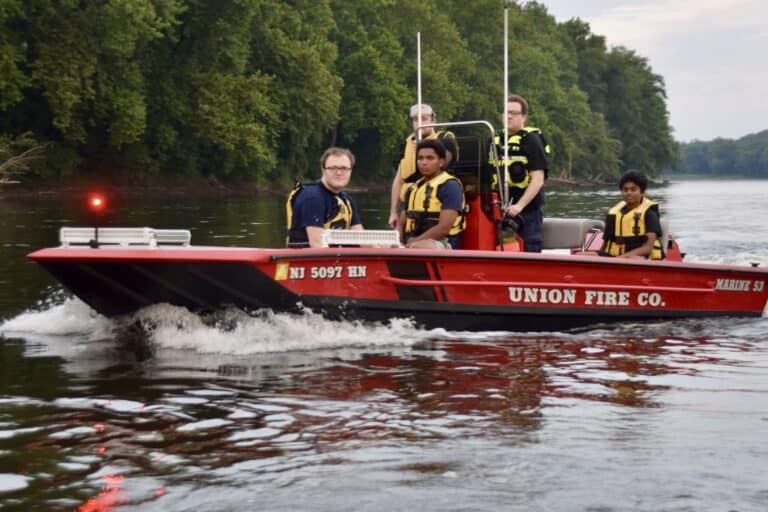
[{"x": 633, "y": 225}]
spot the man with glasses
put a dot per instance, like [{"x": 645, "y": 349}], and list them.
[
  {"x": 323, "y": 204},
  {"x": 406, "y": 168},
  {"x": 526, "y": 167}
]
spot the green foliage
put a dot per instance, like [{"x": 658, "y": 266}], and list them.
[
  {"x": 254, "y": 90},
  {"x": 292, "y": 43},
  {"x": 12, "y": 78},
  {"x": 16, "y": 156},
  {"x": 622, "y": 87},
  {"x": 746, "y": 157},
  {"x": 87, "y": 64},
  {"x": 25, "y": 154},
  {"x": 377, "y": 61},
  {"x": 374, "y": 91}
]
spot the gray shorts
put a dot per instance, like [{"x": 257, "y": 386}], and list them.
[{"x": 442, "y": 245}]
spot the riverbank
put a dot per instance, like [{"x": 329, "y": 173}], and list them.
[
  {"x": 168, "y": 187},
  {"x": 189, "y": 187},
  {"x": 211, "y": 187}
]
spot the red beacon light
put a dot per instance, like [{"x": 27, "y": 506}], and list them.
[{"x": 96, "y": 203}]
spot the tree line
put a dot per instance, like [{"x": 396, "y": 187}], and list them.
[
  {"x": 744, "y": 157},
  {"x": 254, "y": 90}
]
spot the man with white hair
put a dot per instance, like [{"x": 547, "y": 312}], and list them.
[{"x": 406, "y": 170}]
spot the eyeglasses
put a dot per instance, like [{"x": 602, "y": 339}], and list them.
[
  {"x": 338, "y": 169},
  {"x": 511, "y": 113}
]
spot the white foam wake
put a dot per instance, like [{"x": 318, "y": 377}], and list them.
[
  {"x": 235, "y": 332},
  {"x": 227, "y": 332},
  {"x": 72, "y": 317}
]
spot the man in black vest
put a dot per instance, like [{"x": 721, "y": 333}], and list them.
[{"x": 527, "y": 167}]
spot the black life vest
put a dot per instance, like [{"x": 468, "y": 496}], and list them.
[{"x": 516, "y": 164}]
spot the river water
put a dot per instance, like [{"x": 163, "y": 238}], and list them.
[{"x": 282, "y": 412}]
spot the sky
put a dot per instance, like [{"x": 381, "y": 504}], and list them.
[{"x": 711, "y": 54}]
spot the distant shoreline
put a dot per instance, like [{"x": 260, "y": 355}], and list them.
[
  {"x": 212, "y": 188},
  {"x": 194, "y": 188}
]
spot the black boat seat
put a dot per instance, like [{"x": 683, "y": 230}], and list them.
[{"x": 560, "y": 233}]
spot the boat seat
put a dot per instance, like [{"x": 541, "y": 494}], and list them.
[
  {"x": 559, "y": 233},
  {"x": 665, "y": 234}
]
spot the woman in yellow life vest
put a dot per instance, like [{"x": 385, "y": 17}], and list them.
[
  {"x": 434, "y": 204},
  {"x": 633, "y": 225}
]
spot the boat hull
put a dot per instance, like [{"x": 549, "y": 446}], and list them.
[{"x": 457, "y": 290}]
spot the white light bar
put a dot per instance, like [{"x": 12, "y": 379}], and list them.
[
  {"x": 124, "y": 236},
  {"x": 366, "y": 237}
]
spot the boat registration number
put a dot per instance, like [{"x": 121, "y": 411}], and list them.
[
  {"x": 286, "y": 271},
  {"x": 326, "y": 272}
]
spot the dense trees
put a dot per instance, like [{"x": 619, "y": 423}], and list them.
[
  {"x": 252, "y": 90},
  {"x": 747, "y": 157}
]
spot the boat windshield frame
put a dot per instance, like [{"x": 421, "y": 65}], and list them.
[{"x": 503, "y": 190}]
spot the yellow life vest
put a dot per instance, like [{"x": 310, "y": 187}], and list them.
[
  {"x": 423, "y": 206},
  {"x": 408, "y": 170},
  {"x": 339, "y": 217},
  {"x": 516, "y": 163},
  {"x": 625, "y": 231}
]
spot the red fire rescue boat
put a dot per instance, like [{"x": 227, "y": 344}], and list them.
[
  {"x": 472, "y": 289},
  {"x": 488, "y": 285}
]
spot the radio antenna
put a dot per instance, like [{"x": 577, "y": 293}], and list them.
[
  {"x": 503, "y": 190},
  {"x": 418, "y": 83}
]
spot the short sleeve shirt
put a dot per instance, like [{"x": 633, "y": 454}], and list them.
[
  {"x": 532, "y": 146},
  {"x": 652, "y": 222},
  {"x": 315, "y": 205},
  {"x": 450, "y": 196}
]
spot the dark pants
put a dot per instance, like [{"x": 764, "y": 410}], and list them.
[{"x": 530, "y": 231}]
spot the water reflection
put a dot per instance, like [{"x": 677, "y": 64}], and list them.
[
  {"x": 127, "y": 431},
  {"x": 236, "y": 412}
]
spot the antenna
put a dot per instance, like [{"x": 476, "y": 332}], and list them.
[
  {"x": 418, "y": 83},
  {"x": 503, "y": 189}
]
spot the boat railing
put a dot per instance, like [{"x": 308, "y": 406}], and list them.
[
  {"x": 481, "y": 158},
  {"x": 95, "y": 237}
]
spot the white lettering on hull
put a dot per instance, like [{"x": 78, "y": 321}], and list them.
[
  {"x": 606, "y": 298},
  {"x": 357, "y": 271},
  {"x": 734, "y": 285},
  {"x": 603, "y": 298},
  {"x": 285, "y": 271},
  {"x": 542, "y": 295}
]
